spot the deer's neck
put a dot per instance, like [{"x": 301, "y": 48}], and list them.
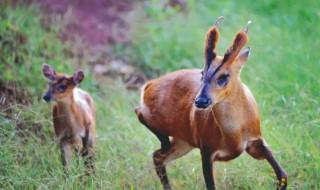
[
  {"x": 235, "y": 93},
  {"x": 67, "y": 105},
  {"x": 228, "y": 112}
]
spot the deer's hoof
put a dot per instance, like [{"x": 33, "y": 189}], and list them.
[{"x": 282, "y": 184}]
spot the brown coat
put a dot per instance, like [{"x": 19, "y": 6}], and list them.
[
  {"x": 209, "y": 109},
  {"x": 168, "y": 107}
]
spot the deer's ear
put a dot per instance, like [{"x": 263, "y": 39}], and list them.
[
  {"x": 211, "y": 41},
  {"x": 243, "y": 56},
  {"x": 78, "y": 77},
  {"x": 234, "y": 50},
  {"x": 48, "y": 72}
]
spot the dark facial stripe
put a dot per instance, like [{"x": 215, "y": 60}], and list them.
[
  {"x": 204, "y": 89},
  {"x": 233, "y": 49},
  {"x": 210, "y": 76}
]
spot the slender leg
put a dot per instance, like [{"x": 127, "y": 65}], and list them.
[
  {"x": 89, "y": 157},
  {"x": 159, "y": 157},
  {"x": 168, "y": 151},
  {"x": 177, "y": 149},
  {"x": 88, "y": 152},
  {"x": 207, "y": 168},
  {"x": 259, "y": 150},
  {"x": 66, "y": 155},
  {"x": 77, "y": 145},
  {"x": 161, "y": 171}
]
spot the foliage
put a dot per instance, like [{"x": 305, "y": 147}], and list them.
[{"x": 282, "y": 73}]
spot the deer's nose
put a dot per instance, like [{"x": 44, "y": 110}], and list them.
[
  {"x": 202, "y": 102},
  {"x": 47, "y": 98}
]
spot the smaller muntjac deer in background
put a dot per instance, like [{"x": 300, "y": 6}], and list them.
[
  {"x": 210, "y": 109},
  {"x": 73, "y": 116}
]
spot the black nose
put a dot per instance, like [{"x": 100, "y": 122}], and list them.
[
  {"x": 46, "y": 98},
  {"x": 202, "y": 102}
]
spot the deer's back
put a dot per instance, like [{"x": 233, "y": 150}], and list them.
[{"x": 84, "y": 102}]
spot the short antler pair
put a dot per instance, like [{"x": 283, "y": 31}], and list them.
[{"x": 212, "y": 38}]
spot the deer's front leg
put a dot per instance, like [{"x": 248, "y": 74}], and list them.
[
  {"x": 66, "y": 155},
  {"x": 259, "y": 150},
  {"x": 207, "y": 168},
  {"x": 78, "y": 146}
]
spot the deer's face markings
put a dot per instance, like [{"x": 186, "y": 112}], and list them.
[
  {"x": 219, "y": 71},
  {"x": 214, "y": 84},
  {"x": 60, "y": 86}
]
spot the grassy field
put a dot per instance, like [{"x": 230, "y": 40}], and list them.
[{"x": 282, "y": 73}]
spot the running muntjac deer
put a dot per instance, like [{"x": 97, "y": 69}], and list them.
[
  {"x": 73, "y": 116},
  {"x": 210, "y": 109}
]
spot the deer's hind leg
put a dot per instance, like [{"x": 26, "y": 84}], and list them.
[
  {"x": 168, "y": 151},
  {"x": 165, "y": 146},
  {"x": 66, "y": 155},
  {"x": 88, "y": 152},
  {"x": 177, "y": 149},
  {"x": 259, "y": 150}
]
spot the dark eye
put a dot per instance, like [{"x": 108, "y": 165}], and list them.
[
  {"x": 62, "y": 88},
  {"x": 223, "y": 80}
]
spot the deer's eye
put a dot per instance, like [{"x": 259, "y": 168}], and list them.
[
  {"x": 223, "y": 79},
  {"x": 62, "y": 88}
]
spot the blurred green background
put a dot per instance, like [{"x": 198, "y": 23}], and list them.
[{"x": 282, "y": 73}]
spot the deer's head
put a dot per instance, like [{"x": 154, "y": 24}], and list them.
[
  {"x": 221, "y": 73},
  {"x": 60, "y": 86}
]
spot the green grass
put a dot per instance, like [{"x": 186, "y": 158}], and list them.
[{"x": 282, "y": 73}]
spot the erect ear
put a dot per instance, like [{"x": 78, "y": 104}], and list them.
[
  {"x": 212, "y": 38},
  {"x": 211, "y": 41},
  {"x": 233, "y": 51},
  {"x": 78, "y": 77},
  {"x": 243, "y": 56},
  {"x": 48, "y": 72}
]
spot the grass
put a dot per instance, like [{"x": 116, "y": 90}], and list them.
[{"x": 282, "y": 73}]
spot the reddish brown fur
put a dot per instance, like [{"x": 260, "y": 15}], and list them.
[
  {"x": 222, "y": 131},
  {"x": 73, "y": 117},
  {"x": 66, "y": 113},
  {"x": 169, "y": 109}
]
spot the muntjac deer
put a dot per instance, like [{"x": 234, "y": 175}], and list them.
[
  {"x": 210, "y": 109},
  {"x": 73, "y": 116}
]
